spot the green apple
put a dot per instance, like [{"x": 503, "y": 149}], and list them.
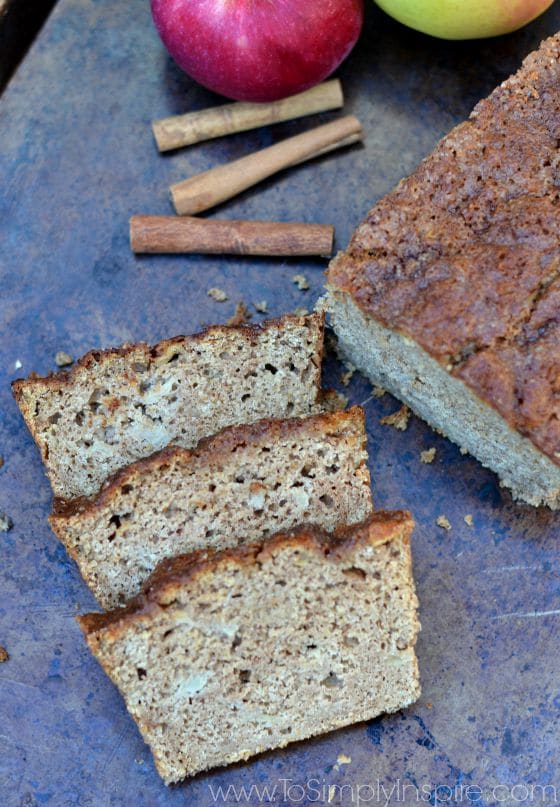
[{"x": 464, "y": 19}]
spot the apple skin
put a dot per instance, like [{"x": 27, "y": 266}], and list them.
[
  {"x": 464, "y": 19},
  {"x": 258, "y": 50}
]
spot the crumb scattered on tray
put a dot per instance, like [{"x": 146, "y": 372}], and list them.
[
  {"x": 468, "y": 520},
  {"x": 4, "y": 655},
  {"x": 218, "y": 295},
  {"x": 463, "y": 451},
  {"x": 6, "y": 522},
  {"x": 17, "y": 365},
  {"x": 63, "y": 359},
  {"x": 342, "y": 759},
  {"x": 443, "y": 522},
  {"x": 1, "y": 461},
  {"x": 261, "y": 307},
  {"x": 398, "y": 420},
  {"x": 429, "y": 705},
  {"x": 428, "y": 455},
  {"x": 332, "y": 793},
  {"x": 379, "y": 392},
  {"x": 334, "y": 401},
  {"x": 301, "y": 282},
  {"x": 241, "y": 315},
  {"x": 300, "y": 312},
  {"x": 346, "y": 377}
]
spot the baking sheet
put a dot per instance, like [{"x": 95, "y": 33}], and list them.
[{"x": 76, "y": 160}]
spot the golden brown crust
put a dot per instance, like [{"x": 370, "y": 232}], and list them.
[
  {"x": 151, "y": 352},
  {"x": 159, "y": 589},
  {"x": 463, "y": 256},
  {"x": 221, "y": 444}
]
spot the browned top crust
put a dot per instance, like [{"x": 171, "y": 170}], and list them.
[
  {"x": 221, "y": 444},
  {"x": 464, "y": 255},
  {"x": 159, "y": 589},
  {"x": 153, "y": 352}
]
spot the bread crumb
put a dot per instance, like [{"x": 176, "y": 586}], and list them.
[
  {"x": 428, "y": 455},
  {"x": 17, "y": 365},
  {"x": 398, "y": 420},
  {"x": 463, "y": 451},
  {"x": 241, "y": 315},
  {"x": 63, "y": 359},
  {"x": 468, "y": 520},
  {"x": 1, "y": 461},
  {"x": 334, "y": 401},
  {"x": 379, "y": 392},
  {"x": 342, "y": 759},
  {"x": 301, "y": 282},
  {"x": 218, "y": 295},
  {"x": 443, "y": 521},
  {"x": 346, "y": 377},
  {"x": 300, "y": 312},
  {"x": 4, "y": 655},
  {"x": 332, "y": 792},
  {"x": 429, "y": 705},
  {"x": 6, "y": 522},
  {"x": 261, "y": 307}
]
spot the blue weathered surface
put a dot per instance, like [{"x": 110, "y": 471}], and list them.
[{"x": 77, "y": 158}]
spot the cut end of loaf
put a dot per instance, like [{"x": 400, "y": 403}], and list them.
[
  {"x": 339, "y": 634},
  {"x": 395, "y": 362}
]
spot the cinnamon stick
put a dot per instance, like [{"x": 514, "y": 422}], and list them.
[
  {"x": 173, "y": 234},
  {"x": 212, "y": 187},
  {"x": 184, "y": 130}
]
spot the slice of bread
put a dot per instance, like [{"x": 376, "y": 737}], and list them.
[
  {"x": 244, "y": 483},
  {"x": 448, "y": 295},
  {"x": 116, "y": 406},
  {"x": 227, "y": 654}
]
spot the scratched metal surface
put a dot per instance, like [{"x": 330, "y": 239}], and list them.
[{"x": 77, "y": 158}]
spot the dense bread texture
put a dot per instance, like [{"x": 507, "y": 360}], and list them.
[
  {"x": 449, "y": 292},
  {"x": 227, "y": 654},
  {"x": 116, "y": 406},
  {"x": 244, "y": 483}
]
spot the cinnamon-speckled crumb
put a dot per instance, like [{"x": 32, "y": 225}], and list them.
[
  {"x": 428, "y": 455},
  {"x": 241, "y": 315},
  {"x": 301, "y": 282},
  {"x": 218, "y": 295},
  {"x": 398, "y": 420},
  {"x": 63, "y": 359},
  {"x": 346, "y": 377},
  {"x": 4, "y": 655}
]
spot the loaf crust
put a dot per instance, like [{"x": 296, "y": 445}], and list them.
[{"x": 464, "y": 255}]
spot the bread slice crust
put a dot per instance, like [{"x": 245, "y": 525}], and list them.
[
  {"x": 353, "y": 671},
  {"x": 115, "y": 406},
  {"x": 253, "y": 479}
]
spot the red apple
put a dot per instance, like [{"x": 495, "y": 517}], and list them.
[{"x": 258, "y": 50}]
